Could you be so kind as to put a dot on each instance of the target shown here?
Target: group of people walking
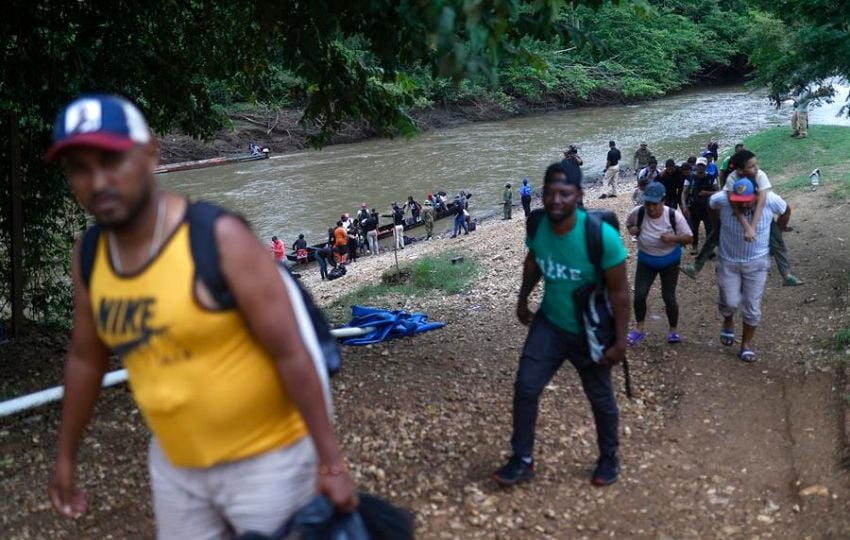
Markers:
(744, 228)
(218, 346)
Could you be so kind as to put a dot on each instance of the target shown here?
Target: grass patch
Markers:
(790, 160)
(842, 339)
(428, 275)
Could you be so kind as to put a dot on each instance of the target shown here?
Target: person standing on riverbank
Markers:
(398, 226)
(300, 249)
(558, 253)
(370, 225)
(508, 202)
(641, 158)
(242, 437)
(525, 196)
(460, 215)
(340, 242)
(428, 218)
(278, 249)
(612, 168)
(744, 262)
(661, 231)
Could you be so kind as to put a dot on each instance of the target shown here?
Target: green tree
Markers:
(176, 57)
(800, 44)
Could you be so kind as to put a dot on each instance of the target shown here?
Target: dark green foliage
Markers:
(188, 62)
(799, 44)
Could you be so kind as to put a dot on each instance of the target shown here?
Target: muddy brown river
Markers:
(305, 192)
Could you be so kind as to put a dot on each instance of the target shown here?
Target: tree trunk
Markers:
(16, 222)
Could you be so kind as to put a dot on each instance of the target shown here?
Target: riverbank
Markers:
(711, 447)
(281, 132)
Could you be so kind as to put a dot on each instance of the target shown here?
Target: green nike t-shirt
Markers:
(564, 262)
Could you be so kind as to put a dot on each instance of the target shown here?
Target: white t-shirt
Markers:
(762, 181)
(649, 239)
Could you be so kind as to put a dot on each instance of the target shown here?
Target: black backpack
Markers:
(201, 217)
(671, 214)
(591, 301)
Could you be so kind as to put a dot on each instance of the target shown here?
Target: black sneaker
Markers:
(515, 471)
(607, 471)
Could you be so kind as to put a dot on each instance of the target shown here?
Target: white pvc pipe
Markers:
(112, 378)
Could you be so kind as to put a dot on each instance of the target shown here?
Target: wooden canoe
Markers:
(204, 163)
(384, 231)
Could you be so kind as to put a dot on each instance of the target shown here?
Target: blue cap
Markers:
(99, 121)
(743, 191)
(654, 192)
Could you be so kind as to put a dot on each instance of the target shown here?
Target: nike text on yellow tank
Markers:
(208, 391)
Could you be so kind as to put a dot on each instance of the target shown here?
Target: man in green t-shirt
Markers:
(557, 253)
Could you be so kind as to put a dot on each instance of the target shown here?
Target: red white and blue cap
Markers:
(100, 121)
(743, 191)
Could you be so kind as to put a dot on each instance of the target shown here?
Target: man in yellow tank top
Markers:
(241, 432)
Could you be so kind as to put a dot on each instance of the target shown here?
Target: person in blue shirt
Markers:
(525, 196)
(711, 166)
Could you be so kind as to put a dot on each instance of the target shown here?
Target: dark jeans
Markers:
(644, 277)
(460, 221)
(526, 205)
(323, 266)
(700, 214)
(777, 248)
(546, 348)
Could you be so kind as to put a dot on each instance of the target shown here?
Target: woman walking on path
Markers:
(661, 232)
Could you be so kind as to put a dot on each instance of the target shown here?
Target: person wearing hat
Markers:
(508, 200)
(744, 263)
(661, 232)
(641, 157)
(235, 402)
(744, 164)
(557, 253)
(525, 196)
(428, 218)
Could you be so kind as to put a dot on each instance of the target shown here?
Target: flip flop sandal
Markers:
(673, 338)
(727, 338)
(747, 355)
(634, 338)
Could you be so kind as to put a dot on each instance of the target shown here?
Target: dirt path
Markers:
(711, 448)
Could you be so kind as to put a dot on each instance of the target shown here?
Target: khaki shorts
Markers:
(255, 494)
(742, 285)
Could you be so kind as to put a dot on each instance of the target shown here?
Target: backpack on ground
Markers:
(201, 217)
(671, 215)
(336, 272)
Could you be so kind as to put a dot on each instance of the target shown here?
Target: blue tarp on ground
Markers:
(388, 324)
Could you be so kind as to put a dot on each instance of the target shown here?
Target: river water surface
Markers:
(306, 192)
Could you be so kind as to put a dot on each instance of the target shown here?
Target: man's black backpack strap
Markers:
(532, 223)
(593, 232)
(88, 252)
(201, 217)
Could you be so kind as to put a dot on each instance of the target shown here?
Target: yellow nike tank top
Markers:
(207, 389)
